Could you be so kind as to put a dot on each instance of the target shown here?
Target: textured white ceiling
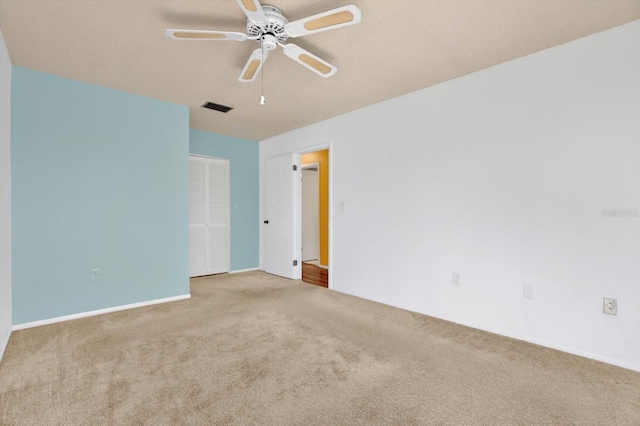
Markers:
(400, 46)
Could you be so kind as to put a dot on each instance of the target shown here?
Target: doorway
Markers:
(315, 217)
(282, 215)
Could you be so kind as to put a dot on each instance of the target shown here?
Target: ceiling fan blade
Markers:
(253, 66)
(205, 35)
(309, 60)
(335, 18)
(253, 10)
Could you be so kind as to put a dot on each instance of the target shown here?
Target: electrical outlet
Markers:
(95, 274)
(610, 306)
(527, 292)
(456, 279)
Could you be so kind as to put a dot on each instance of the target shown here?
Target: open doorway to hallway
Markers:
(315, 217)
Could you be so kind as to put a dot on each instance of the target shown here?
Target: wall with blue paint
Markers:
(244, 186)
(99, 180)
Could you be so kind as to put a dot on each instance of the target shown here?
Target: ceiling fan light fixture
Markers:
(329, 20)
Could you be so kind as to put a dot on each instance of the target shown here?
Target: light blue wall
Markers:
(243, 163)
(100, 180)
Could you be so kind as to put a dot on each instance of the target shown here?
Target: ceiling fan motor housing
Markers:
(273, 26)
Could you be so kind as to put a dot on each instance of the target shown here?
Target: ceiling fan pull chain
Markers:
(262, 99)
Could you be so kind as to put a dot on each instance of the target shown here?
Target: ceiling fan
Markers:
(267, 25)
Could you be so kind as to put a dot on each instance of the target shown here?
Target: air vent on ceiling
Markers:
(217, 107)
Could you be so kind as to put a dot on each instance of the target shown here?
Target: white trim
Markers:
(540, 342)
(239, 271)
(3, 347)
(98, 312)
(331, 260)
(297, 215)
(313, 148)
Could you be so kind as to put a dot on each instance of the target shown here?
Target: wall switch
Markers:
(527, 292)
(610, 306)
(343, 207)
(456, 279)
(95, 274)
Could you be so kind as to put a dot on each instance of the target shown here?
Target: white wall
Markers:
(5, 196)
(501, 176)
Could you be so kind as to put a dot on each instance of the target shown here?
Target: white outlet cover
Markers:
(456, 279)
(95, 274)
(610, 306)
(527, 292)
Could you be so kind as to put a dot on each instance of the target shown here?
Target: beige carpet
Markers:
(256, 349)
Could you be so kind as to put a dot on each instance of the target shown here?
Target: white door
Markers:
(310, 213)
(208, 216)
(281, 249)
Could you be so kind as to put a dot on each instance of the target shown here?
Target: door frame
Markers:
(298, 202)
(228, 160)
(303, 167)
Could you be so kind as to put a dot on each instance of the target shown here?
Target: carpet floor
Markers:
(254, 349)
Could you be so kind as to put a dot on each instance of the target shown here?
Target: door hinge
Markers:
(295, 167)
(295, 263)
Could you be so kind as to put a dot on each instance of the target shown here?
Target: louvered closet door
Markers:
(218, 217)
(208, 216)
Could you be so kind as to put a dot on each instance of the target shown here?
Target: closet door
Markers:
(208, 216)
(218, 215)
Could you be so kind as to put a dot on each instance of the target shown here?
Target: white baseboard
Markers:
(5, 342)
(541, 342)
(513, 335)
(98, 312)
(238, 271)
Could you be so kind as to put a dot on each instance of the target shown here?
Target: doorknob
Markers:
(266, 221)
